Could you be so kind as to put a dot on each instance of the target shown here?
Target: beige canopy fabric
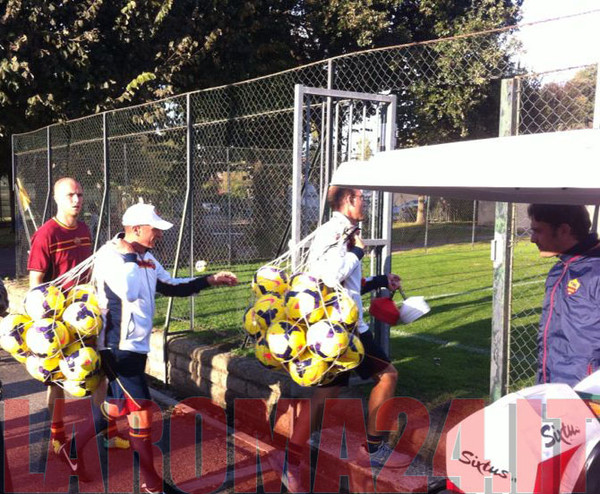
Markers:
(552, 168)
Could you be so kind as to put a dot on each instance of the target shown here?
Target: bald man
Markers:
(60, 244)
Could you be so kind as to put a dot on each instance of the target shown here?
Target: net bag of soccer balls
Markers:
(55, 336)
(302, 326)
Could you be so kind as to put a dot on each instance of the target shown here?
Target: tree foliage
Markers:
(68, 58)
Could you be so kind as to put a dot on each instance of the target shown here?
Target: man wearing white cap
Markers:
(127, 277)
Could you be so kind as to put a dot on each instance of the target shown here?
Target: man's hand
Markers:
(123, 247)
(393, 282)
(221, 278)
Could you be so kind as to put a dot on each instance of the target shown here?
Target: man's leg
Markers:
(385, 387)
(140, 437)
(55, 400)
(112, 439)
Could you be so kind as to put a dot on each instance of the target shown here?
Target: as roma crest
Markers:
(573, 286)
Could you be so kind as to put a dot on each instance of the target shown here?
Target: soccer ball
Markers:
(41, 368)
(269, 279)
(304, 281)
(285, 340)
(327, 340)
(82, 293)
(341, 309)
(305, 304)
(352, 356)
(328, 377)
(13, 329)
(264, 354)
(268, 309)
(83, 319)
(46, 337)
(84, 387)
(250, 323)
(307, 370)
(44, 301)
(21, 355)
(79, 364)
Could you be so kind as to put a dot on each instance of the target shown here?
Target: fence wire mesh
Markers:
(545, 105)
(230, 153)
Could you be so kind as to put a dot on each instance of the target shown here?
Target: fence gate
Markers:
(331, 127)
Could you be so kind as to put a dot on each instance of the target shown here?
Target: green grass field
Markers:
(441, 356)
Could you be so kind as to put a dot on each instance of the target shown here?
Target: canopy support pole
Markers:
(502, 256)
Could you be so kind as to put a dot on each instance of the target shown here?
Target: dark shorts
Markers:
(374, 361)
(127, 386)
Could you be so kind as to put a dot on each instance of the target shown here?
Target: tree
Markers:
(64, 60)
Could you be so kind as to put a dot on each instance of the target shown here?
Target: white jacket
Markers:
(330, 260)
(127, 285)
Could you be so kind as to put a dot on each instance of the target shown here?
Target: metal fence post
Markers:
(426, 240)
(502, 256)
(596, 125)
(105, 194)
(49, 172)
(184, 216)
(297, 170)
(474, 227)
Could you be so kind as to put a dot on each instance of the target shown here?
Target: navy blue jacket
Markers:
(569, 333)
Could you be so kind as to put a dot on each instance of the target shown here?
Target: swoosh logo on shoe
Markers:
(72, 465)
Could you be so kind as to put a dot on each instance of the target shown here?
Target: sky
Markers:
(564, 43)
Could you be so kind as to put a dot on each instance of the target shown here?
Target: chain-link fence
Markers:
(544, 106)
(218, 161)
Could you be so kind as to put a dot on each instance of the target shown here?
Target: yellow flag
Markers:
(23, 195)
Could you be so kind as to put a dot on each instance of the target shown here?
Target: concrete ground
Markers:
(203, 449)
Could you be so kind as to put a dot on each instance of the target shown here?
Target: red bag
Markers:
(384, 309)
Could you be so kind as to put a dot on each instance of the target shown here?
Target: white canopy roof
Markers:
(557, 167)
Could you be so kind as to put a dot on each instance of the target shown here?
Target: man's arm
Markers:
(36, 278)
(390, 281)
(184, 287)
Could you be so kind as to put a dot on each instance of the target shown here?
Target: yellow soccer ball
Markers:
(305, 304)
(79, 364)
(44, 301)
(268, 309)
(327, 340)
(46, 337)
(352, 356)
(82, 319)
(250, 323)
(285, 340)
(41, 368)
(307, 370)
(13, 329)
(21, 355)
(341, 309)
(269, 279)
(82, 293)
(84, 387)
(264, 354)
(304, 281)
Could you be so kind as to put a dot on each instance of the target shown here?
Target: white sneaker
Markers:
(144, 489)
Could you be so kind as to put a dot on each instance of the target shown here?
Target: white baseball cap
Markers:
(144, 214)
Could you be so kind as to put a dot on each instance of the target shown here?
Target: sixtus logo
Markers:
(483, 467)
(564, 434)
